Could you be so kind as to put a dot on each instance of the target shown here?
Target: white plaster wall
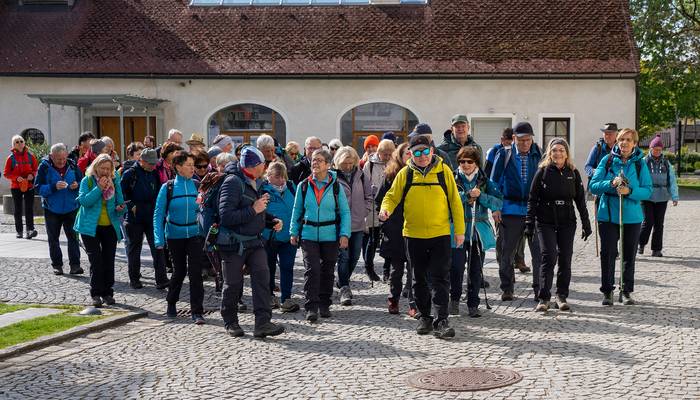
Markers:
(314, 107)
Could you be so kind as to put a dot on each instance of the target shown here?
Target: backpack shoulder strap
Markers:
(443, 185)
(169, 189)
(304, 188)
(407, 186)
(336, 192)
(290, 186)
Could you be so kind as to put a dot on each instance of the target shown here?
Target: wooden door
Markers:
(134, 129)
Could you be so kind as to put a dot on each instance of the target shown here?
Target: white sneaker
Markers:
(345, 296)
(275, 302)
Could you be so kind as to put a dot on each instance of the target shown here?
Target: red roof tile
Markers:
(444, 37)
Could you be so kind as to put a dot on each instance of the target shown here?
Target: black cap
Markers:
(522, 129)
(610, 126)
(418, 140)
(421, 129)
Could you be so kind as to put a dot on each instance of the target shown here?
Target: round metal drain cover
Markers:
(464, 379)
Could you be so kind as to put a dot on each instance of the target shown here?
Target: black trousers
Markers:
(319, 264)
(398, 265)
(430, 259)
(609, 237)
(23, 199)
(187, 261)
(370, 242)
(135, 232)
(101, 250)
(512, 229)
(557, 244)
(232, 265)
(654, 215)
(459, 262)
(54, 223)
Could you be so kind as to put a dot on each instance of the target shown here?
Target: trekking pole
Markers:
(478, 249)
(622, 236)
(595, 222)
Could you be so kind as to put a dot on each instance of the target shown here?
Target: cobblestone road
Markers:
(644, 351)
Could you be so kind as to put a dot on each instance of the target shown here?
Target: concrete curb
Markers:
(72, 333)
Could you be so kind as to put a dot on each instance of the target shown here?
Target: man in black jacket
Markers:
(242, 219)
(302, 169)
(140, 186)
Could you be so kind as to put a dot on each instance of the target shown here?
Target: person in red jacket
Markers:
(97, 147)
(20, 170)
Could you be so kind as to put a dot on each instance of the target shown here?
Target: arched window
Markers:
(245, 122)
(375, 119)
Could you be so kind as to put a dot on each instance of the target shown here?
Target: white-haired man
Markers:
(268, 146)
(174, 136)
(302, 169)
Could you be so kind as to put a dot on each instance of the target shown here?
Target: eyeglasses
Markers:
(202, 166)
(466, 161)
(424, 152)
(318, 160)
(19, 141)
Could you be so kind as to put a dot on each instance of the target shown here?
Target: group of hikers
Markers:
(230, 211)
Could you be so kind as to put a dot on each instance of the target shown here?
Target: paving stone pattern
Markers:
(624, 352)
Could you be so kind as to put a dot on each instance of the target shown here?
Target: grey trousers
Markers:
(512, 230)
(232, 268)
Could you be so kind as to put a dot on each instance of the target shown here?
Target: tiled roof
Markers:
(445, 37)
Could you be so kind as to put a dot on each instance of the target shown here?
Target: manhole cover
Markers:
(464, 379)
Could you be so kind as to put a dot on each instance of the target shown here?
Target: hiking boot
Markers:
(19, 235)
(522, 267)
(563, 305)
(608, 299)
(136, 285)
(324, 312)
(96, 301)
(640, 250)
(172, 311)
(269, 329)
(58, 270)
(234, 330)
(289, 306)
(163, 285)
(274, 302)
(542, 306)
(443, 330)
(474, 312)
(109, 300)
(393, 305)
(345, 296)
(311, 316)
(76, 270)
(32, 234)
(507, 296)
(198, 319)
(454, 307)
(627, 299)
(425, 326)
(656, 253)
(413, 312)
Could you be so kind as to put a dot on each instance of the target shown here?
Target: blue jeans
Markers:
(347, 259)
(285, 253)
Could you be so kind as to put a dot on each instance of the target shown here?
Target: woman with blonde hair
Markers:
(101, 205)
(556, 186)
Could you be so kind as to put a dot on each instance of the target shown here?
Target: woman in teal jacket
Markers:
(175, 220)
(624, 173)
(101, 205)
(322, 216)
(472, 184)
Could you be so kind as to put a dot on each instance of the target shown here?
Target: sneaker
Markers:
(656, 253)
(96, 301)
(274, 302)
(234, 330)
(32, 234)
(563, 305)
(474, 312)
(311, 316)
(507, 296)
(198, 319)
(58, 270)
(454, 307)
(413, 312)
(136, 285)
(289, 306)
(109, 300)
(172, 311)
(324, 312)
(163, 285)
(442, 329)
(522, 267)
(269, 329)
(542, 306)
(76, 270)
(608, 299)
(640, 250)
(627, 299)
(393, 305)
(425, 326)
(345, 296)
(19, 235)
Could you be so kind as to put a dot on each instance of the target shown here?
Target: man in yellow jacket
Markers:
(427, 188)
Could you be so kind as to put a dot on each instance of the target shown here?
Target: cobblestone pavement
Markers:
(624, 352)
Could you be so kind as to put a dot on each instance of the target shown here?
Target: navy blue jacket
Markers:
(140, 189)
(508, 181)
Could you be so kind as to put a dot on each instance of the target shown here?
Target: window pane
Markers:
(266, 2)
(379, 117)
(296, 2)
(205, 2)
(247, 117)
(562, 128)
(236, 2)
(549, 128)
(325, 2)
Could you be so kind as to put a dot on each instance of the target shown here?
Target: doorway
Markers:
(134, 129)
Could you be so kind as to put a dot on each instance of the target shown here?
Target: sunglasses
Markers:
(19, 141)
(424, 152)
(202, 166)
(466, 161)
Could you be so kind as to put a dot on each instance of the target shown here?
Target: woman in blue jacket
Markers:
(281, 205)
(620, 173)
(321, 224)
(101, 205)
(475, 190)
(175, 221)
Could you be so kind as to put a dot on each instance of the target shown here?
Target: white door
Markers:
(487, 131)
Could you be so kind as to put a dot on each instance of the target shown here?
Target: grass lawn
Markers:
(689, 183)
(34, 328)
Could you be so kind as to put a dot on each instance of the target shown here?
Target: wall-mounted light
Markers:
(132, 108)
(119, 107)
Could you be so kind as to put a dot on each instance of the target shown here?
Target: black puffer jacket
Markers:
(552, 196)
(300, 170)
(393, 245)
